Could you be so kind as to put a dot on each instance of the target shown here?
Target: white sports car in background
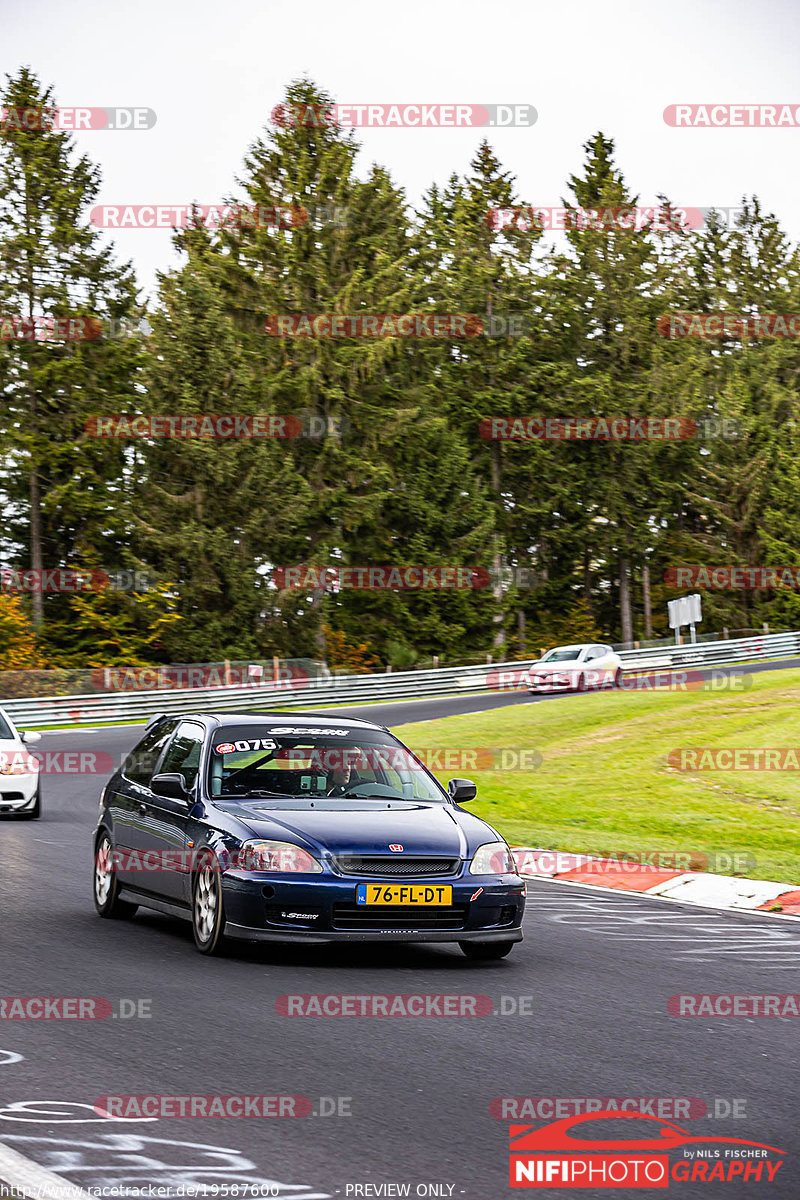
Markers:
(576, 668)
(20, 786)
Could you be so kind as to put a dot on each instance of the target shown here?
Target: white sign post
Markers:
(685, 610)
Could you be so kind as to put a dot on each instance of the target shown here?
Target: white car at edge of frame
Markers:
(20, 783)
(576, 669)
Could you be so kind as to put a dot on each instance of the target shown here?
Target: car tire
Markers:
(36, 811)
(208, 918)
(106, 884)
(486, 951)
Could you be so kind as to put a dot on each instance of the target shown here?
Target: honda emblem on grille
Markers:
(397, 848)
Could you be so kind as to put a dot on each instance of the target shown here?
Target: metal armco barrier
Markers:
(359, 689)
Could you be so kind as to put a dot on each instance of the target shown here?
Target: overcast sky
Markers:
(212, 71)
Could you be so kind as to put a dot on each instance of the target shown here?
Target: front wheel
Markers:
(106, 884)
(483, 951)
(207, 917)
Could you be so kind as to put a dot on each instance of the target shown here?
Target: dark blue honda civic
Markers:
(300, 827)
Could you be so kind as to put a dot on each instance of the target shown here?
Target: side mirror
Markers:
(461, 790)
(31, 736)
(172, 785)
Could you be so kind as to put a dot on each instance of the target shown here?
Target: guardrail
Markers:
(346, 689)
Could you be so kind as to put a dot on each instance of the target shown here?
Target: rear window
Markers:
(282, 763)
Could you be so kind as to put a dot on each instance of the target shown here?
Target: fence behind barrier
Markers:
(324, 688)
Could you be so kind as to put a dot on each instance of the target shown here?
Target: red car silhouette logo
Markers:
(557, 1137)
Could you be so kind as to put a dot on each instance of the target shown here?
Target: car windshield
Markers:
(341, 763)
(562, 654)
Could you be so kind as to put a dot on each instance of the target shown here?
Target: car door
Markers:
(129, 802)
(605, 663)
(165, 831)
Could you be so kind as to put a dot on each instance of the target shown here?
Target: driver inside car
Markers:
(341, 780)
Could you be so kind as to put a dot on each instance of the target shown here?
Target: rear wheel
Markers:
(483, 951)
(208, 920)
(106, 884)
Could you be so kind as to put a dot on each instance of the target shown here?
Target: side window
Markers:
(589, 653)
(141, 762)
(184, 752)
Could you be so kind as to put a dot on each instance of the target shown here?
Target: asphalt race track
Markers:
(580, 1010)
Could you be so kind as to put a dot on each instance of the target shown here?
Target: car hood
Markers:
(361, 827)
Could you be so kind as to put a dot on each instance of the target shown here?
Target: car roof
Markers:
(293, 719)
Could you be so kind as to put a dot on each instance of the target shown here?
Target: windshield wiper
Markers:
(259, 792)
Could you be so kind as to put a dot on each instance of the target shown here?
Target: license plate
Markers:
(424, 894)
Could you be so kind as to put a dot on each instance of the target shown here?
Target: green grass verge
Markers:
(604, 785)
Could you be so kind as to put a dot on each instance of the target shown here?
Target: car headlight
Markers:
(283, 857)
(493, 858)
(18, 764)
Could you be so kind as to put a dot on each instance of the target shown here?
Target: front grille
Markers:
(406, 868)
(359, 916)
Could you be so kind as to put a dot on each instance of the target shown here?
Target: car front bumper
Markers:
(18, 792)
(323, 909)
(554, 683)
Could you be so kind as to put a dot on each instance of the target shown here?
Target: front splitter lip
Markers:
(250, 934)
(14, 806)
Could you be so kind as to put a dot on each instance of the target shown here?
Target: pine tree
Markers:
(63, 487)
